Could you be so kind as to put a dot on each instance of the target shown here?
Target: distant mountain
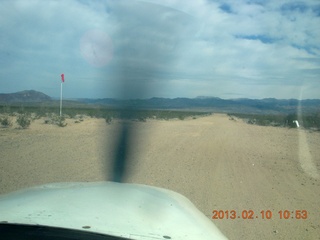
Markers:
(202, 103)
(243, 105)
(24, 96)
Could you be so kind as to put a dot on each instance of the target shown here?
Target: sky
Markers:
(161, 48)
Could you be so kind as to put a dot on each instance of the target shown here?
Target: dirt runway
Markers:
(223, 165)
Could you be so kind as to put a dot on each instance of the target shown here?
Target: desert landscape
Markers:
(219, 163)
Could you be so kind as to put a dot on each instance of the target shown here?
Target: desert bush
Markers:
(79, 117)
(251, 121)
(307, 121)
(34, 116)
(181, 117)
(24, 121)
(56, 120)
(142, 119)
(50, 118)
(61, 122)
(6, 121)
(108, 120)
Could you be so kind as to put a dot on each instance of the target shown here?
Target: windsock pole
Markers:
(62, 81)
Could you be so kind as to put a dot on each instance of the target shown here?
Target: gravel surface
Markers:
(218, 163)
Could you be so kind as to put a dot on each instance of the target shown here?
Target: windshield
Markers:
(217, 100)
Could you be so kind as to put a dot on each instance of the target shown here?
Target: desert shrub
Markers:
(307, 121)
(24, 121)
(61, 122)
(56, 120)
(6, 121)
(50, 118)
(251, 121)
(34, 116)
(181, 117)
(79, 118)
(311, 121)
(108, 120)
(142, 119)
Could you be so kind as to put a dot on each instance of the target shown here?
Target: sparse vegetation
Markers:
(26, 114)
(108, 120)
(56, 120)
(307, 121)
(61, 121)
(142, 119)
(99, 112)
(6, 121)
(24, 120)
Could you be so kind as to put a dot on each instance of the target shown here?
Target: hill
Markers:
(24, 96)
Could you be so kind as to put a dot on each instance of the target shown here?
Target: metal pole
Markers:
(61, 100)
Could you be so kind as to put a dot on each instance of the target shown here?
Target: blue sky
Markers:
(168, 48)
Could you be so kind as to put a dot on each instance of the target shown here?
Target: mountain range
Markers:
(213, 104)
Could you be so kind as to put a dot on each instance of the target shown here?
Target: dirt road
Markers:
(219, 164)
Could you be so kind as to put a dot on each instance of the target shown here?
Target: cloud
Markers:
(170, 48)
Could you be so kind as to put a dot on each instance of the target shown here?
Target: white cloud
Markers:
(203, 47)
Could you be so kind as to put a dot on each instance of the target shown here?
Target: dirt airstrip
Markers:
(218, 163)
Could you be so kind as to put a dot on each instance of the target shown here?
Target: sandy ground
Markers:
(218, 163)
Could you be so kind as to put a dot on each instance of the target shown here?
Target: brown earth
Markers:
(218, 163)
